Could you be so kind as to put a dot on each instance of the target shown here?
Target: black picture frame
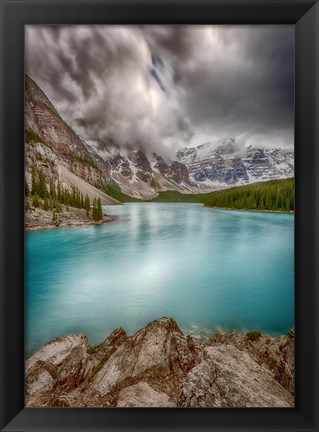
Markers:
(304, 14)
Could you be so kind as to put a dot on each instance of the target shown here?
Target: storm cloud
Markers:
(166, 87)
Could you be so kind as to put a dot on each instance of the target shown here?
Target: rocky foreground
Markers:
(159, 366)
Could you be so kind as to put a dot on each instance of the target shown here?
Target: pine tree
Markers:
(278, 200)
(272, 195)
(73, 197)
(35, 200)
(99, 209)
(45, 204)
(59, 193)
(57, 207)
(52, 190)
(94, 210)
(34, 188)
(41, 186)
(267, 201)
(87, 204)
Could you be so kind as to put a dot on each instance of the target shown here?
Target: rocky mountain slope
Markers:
(142, 177)
(159, 366)
(52, 144)
(224, 163)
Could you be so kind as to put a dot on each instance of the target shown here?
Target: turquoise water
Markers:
(207, 268)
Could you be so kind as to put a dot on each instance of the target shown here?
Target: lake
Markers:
(207, 268)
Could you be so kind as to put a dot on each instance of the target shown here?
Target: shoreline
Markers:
(48, 227)
(218, 208)
(77, 219)
(37, 219)
(250, 210)
(198, 336)
(72, 223)
(213, 207)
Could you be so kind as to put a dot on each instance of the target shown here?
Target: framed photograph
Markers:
(159, 238)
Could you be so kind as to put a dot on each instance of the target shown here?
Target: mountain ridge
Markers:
(224, 162)
(67, 158)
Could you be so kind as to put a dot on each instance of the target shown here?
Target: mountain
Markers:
(142, 177)
(114, 175)
(54, 146)
(224, 163)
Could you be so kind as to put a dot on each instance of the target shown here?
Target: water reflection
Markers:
(207, 268)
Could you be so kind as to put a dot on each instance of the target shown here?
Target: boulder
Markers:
(160, 366)
(229, 377)
(157, 350)
(57, 366)
(142, 395)
(96, 360)
(284, 369)
(275, 353)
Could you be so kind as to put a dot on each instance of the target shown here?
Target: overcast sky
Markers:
(168, 87)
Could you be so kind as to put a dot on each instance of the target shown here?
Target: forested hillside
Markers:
(270, 195)
(276, 195)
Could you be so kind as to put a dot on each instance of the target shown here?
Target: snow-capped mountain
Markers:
(224, 163)
(142, 177)
(65, 157)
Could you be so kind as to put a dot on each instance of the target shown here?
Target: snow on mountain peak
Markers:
(227, 162)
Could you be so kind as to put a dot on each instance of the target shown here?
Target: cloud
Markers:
(166, 87)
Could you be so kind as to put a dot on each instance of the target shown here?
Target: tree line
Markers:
(270, 195)
(275, 195)
(51, 196)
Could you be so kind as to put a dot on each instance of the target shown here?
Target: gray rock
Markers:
(43, 382)
(43, 118)
(63, 364)
(275, 353)
(142, 395)
(95, 361)
(57, 351)
(57, 366)
(229, 377)
(160, 366)
(157, 350)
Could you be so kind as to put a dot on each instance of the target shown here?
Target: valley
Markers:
(159, 252)
(206, 174)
